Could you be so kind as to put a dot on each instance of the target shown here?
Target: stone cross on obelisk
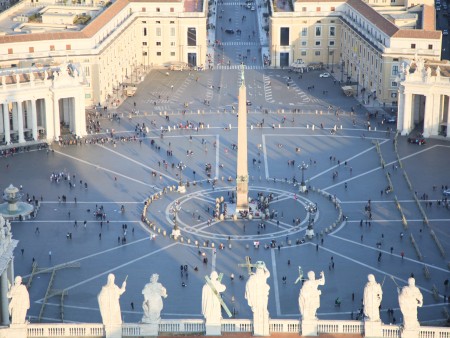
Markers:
(242, 160)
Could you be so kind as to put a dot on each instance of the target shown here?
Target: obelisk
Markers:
(242, 160)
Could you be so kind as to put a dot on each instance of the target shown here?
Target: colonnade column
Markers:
(448, 116)
(79, 116)
(56, 119)
(34, 120)
(4, 298)
(20, 122)
(401, 108)
(6, 123)
(428, 117)
(407, 114)
(49, 120)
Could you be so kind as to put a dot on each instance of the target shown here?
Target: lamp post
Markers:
(174, 210)
(311, 209)
(181, 187)
(303, 167)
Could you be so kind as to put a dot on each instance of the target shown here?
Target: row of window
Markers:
(158, 54)
(31, 49)
(318, 31)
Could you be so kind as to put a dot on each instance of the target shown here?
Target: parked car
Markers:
(249, 103)
(446, 192)
(417, 139)
(445, 32)
(325, 75)
(229, 31)
(392, 119)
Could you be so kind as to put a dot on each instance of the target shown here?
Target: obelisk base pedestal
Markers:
(213, 330)
(309, 327)
(372, 329)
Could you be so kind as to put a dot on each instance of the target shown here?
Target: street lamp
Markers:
(311, 209)
(181, 187)
(303, 167)
(175, 208)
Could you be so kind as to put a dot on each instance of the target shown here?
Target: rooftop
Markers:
(381, 22)
(15, 28)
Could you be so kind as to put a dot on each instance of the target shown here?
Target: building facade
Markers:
(354, 40)
(119, 44)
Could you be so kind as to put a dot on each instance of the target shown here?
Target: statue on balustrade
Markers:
(211, 307)
(153, 304)
(309, 297)
(409, 299)
(108, 301)
(257, 295)
(373, 294)
(20, 301)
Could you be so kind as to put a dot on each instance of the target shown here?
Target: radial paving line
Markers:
(388, 252)
(275, 282)
(346, 160)
(138, 163)
(217, 156)
(266, 167)
(104, 169)
(118, 267)
(371, 267)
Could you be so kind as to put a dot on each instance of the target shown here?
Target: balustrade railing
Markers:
(197, 326)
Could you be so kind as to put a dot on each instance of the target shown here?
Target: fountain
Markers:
(13, 208)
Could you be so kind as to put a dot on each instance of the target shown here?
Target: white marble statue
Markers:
(309, 297)
(373, 294)
(211, 307)
(257, 295)
(20, 301)
(153, 303)
(409, 299)
(108, 301)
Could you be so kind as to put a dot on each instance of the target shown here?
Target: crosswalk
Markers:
(232, 4)
(223, 67)
(240, 43)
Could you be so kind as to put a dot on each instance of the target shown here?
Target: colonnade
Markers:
(423, 98)
(430, 106)
(38, 108)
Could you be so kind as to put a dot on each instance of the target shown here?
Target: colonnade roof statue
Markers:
(373, 294)
(108, 301)
(211, 305)
(257, 295)
(409, 299)
(20, 301)
(309, 297)
(153, 293)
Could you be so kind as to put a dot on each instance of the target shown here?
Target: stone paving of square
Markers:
(121, 174)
